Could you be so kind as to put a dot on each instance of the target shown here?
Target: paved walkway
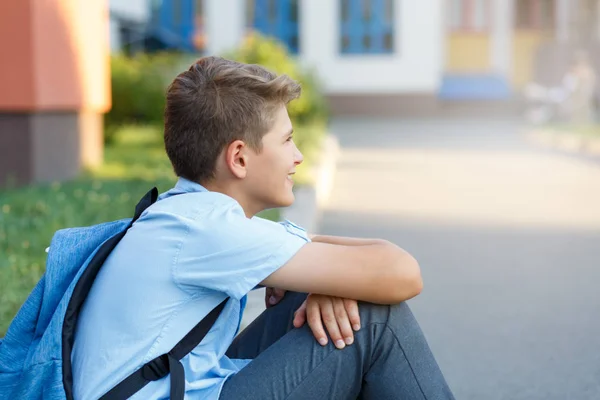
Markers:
(508, 238)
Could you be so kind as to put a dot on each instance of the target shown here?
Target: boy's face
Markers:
(270, 174)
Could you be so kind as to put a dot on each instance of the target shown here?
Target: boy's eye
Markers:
(289, 139)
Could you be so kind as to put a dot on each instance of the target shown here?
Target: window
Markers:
(177, 12)
(455, 13)
(155, 8)
(547, 14)
(175, 20)
(534, 14)
(525, 14)
(469, 15)
(199, 7)
(367, 26)
(479, 19)
(277, 18)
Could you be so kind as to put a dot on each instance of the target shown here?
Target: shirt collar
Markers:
(183, 186)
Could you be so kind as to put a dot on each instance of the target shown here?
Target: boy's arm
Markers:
(274, 295)
(371, 270)
(344, 241)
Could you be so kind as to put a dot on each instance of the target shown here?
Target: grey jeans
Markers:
(389, 359)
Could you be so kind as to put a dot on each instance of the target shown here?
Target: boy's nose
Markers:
(298, 157)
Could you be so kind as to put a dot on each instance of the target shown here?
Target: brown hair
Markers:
(216, 102)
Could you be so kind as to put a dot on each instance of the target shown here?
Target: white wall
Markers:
(115, 38)
(416, 66)
(502, 37)
(136, 10)
(225, 24)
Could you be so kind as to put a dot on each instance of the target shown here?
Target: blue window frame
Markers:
(176, 23)
(277, 18)
(367, 26)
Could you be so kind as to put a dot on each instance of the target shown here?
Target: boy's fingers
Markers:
(313, 316)
(268, 293)
(331, 324)
(278, 295)
(273, 296)
(300, 315)
(343, 321)
(353, 314)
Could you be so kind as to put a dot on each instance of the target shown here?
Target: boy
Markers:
(230, 140)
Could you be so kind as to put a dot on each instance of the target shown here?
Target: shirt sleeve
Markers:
(228, 252)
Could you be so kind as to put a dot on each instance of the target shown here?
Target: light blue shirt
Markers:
(183, 256)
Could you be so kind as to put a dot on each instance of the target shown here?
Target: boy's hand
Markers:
(273, 296)
(339, 315)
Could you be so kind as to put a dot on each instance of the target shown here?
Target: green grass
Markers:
(29, 216)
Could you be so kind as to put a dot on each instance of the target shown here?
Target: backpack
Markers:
(35, 355)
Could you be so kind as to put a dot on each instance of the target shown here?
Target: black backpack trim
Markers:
(151, 371)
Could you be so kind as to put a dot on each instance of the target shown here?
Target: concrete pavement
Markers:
(508, 238)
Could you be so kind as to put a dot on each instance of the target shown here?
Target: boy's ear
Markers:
(236, 158)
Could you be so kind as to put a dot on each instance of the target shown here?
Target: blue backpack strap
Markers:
(167, 363)
(83, 287)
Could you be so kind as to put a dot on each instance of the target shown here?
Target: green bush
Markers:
(138, 89)
(272, 54)
(139, 84)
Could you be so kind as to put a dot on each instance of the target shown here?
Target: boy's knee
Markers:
(402, 312)
(388, 314)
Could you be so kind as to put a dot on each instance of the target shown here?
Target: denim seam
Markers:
(364, 329)
(406, 358)
(309, 372)
(361, 331)
(387, 326)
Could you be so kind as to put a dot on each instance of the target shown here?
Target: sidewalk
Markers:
(507, 238)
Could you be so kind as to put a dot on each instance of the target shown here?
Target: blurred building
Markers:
(129, 22)
(156, 25)
(54, 88)
(359, 48)
(375, 55)
(495, 47)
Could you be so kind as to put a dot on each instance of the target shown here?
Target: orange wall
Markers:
(16, 70)
(65, 59)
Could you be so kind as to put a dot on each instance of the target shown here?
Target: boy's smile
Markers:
(271, 171)
(261, 179)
